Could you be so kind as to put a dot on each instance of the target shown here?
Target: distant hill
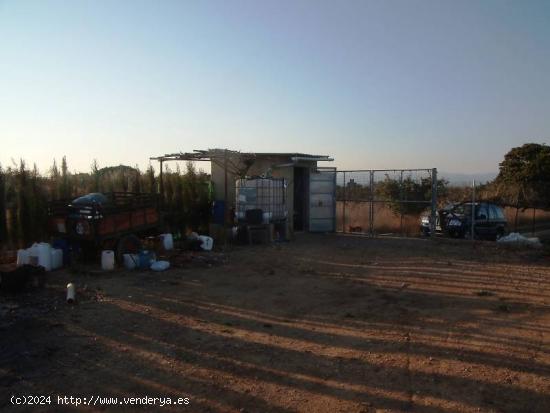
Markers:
(466, 179)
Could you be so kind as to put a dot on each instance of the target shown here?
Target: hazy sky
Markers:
(447, 84)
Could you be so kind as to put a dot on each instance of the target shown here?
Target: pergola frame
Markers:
(219, 157)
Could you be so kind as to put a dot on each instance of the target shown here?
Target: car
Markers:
(455, 220)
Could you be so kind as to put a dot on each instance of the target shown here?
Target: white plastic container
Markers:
(71, 293)
(57, 258)
(207, 242)
(107, 260)
(22, 257)
(167, 241)
(40, 254)
(131, 261)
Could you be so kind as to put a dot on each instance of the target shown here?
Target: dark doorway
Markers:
(301, 190)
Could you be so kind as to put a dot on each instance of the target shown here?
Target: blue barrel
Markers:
(145, 259)
(62, 244)
(218, 212)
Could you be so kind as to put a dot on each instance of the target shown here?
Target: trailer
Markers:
(113, 220)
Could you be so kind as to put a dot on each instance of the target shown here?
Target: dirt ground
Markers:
(326, 323)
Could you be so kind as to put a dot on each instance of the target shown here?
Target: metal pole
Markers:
(401, 203)
(344, 206)
(371, 208)
(161, 185)
(225, 205)
(434, 202)
(472, 229)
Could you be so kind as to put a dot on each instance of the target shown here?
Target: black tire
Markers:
(128, 244)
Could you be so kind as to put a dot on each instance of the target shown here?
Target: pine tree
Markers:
(54, 177)
(65, 189)
(37, 206)
(23, 210)
(96, 176)
(150, 179)
(136, 187)
(3, 224)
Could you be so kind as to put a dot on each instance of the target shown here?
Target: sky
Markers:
(373, 83)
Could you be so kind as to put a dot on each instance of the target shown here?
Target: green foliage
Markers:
(524, 177)
(187, 199)
(150, 180)
(96, 177)
(3, 223)
(136, 181)
(398, 192)
(394, 192)
(24, 195)
(65, 187)
(24, 217)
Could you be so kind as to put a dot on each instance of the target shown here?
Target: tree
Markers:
(524, 177)
(54, 176)
(37, 205)
(65, 188)
(150, 179)
(136, 185)
(395, 192)
(3, 225)
(96, 176)
(23, 210)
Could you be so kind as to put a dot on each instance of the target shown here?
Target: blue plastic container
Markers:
(63, 245)
(146, 258)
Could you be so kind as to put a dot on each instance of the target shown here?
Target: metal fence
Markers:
(385, 201)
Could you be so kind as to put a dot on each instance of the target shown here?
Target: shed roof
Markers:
(212, 154)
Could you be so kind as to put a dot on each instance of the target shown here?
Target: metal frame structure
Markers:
(224, 158)
(372, 200)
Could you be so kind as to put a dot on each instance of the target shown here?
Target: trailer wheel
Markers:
(128, 244)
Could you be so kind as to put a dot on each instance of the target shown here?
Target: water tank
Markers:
(267, 194)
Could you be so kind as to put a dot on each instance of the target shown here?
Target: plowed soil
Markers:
(325, 323)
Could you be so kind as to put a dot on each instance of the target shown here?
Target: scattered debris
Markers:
(207, 258)
(517, 238)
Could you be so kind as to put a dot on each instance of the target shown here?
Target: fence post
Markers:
(434, 202)
(161, 186)
(473, 209)
(401, 203)
(344, 206)
(371, 207)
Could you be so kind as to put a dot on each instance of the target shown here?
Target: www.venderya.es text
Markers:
(95, 400)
